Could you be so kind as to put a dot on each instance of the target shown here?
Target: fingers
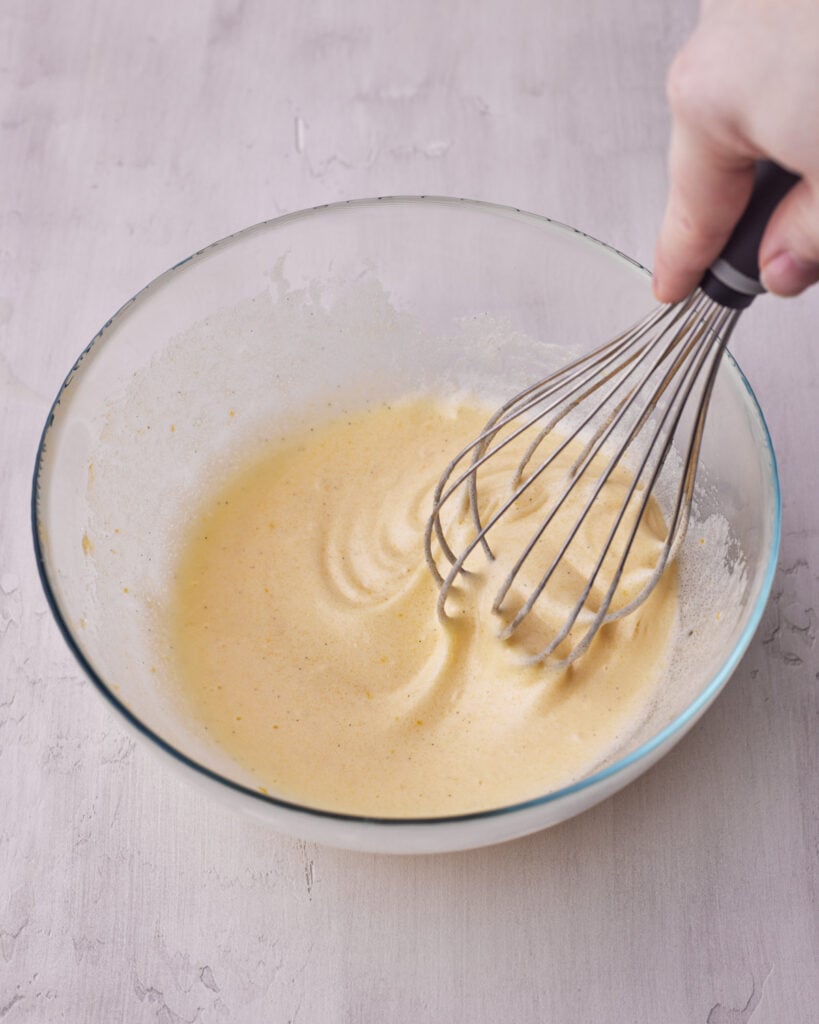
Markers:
(789, 251)
(709, 190)
(711, 166)
(733, 101)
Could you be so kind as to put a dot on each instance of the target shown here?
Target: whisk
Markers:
(623, 404)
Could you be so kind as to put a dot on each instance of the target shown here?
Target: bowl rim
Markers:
(676, 728)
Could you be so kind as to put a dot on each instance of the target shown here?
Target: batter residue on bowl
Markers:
(305, 639)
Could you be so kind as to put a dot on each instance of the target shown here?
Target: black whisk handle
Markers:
(733, 278)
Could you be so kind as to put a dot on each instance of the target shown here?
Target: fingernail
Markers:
(657, 288)
(662, 284)
(786, 274)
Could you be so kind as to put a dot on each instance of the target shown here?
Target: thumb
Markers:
(789, 251)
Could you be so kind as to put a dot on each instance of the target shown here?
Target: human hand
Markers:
(744, 87)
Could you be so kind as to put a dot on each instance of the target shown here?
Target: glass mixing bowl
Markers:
(323, 310)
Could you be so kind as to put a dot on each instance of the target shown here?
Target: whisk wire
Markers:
(530, 398)
(527, 399)
(585, 459)
(591, 368)
(621, 370)
(642, 351)
(590, 454)
(710, 344)
(682, 510)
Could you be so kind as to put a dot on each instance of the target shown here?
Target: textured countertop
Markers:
(132, 134)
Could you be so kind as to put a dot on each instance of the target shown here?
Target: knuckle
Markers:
(683, 83)
(692, 84)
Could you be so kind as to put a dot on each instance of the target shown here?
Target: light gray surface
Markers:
(132, 134)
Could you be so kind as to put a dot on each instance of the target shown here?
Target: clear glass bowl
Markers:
(331, 308)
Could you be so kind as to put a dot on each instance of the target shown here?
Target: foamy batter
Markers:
(304, 632)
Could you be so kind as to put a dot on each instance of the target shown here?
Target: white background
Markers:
(132, 134)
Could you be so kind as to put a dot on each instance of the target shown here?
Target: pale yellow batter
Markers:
(304, 632)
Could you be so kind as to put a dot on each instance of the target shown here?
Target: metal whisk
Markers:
(623, 404)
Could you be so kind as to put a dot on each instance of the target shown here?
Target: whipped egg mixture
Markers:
(305, 639)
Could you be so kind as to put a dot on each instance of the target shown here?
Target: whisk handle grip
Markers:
(733, 278)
